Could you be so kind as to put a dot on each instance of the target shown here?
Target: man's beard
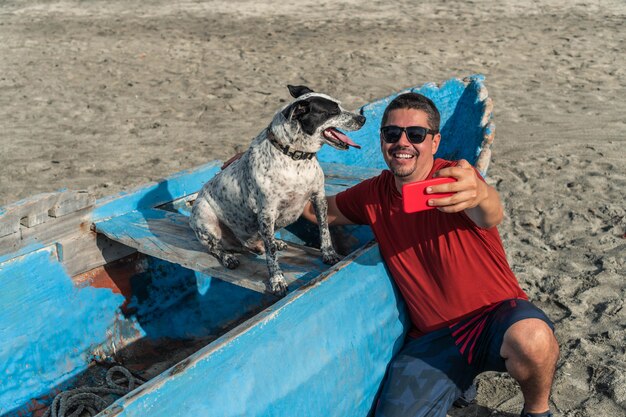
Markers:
(403, 172)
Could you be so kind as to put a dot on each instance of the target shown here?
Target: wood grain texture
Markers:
(166, 235)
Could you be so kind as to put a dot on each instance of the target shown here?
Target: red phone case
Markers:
(414, 197)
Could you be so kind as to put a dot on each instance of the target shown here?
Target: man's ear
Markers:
(436, 142)
(298, 90)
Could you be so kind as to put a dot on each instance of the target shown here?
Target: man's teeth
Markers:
(403, 155)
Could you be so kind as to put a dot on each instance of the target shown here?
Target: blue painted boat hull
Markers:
(71, 297)
(321, 351)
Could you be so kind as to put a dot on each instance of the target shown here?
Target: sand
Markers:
(106, 96)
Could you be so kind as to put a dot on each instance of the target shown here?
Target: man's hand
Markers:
(480, 201)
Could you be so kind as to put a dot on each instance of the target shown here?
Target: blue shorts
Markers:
(431, 372)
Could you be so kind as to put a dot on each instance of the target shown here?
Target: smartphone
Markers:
(414, 197)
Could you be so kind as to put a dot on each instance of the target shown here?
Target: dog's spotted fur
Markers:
(265, 190)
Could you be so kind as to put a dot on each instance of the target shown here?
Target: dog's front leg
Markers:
(320, 205)
(278, 285)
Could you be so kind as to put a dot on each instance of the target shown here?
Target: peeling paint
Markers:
(47, 326)
(180, 367)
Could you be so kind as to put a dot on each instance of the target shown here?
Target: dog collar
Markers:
(293, 154)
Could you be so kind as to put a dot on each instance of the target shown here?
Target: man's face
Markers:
(408, 161)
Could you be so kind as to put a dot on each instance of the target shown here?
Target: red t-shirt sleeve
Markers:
(353, 202)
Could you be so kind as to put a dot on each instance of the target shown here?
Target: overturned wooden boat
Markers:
(85, 284)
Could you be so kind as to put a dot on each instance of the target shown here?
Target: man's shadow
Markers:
(476, 410)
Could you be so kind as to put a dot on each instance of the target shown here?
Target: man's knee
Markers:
(531, 341)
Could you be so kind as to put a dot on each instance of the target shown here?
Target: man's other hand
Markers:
(469, 190)
(480, 201)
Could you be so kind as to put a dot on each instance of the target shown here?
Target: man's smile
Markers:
(403, 153)
(400, 155)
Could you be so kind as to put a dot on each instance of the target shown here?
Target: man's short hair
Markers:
(414, 101)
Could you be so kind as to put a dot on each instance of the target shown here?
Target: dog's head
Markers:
(314, 119)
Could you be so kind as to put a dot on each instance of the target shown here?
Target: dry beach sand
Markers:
(106, 96)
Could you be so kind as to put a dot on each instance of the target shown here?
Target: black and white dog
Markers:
(268, 187)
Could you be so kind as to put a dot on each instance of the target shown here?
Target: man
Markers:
(468, 312)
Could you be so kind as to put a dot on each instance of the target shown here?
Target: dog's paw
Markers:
(229, 261)
(281, 245)
(330, 257)
(278, 285)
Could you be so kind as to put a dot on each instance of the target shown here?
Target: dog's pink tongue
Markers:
(340, 136)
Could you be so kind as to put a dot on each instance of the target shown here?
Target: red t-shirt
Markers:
(445, 266)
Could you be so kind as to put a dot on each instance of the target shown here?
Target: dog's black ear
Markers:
(300, 108)
(298, 90)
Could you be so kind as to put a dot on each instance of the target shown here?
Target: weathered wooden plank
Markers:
(33, 219)
(83, 252)
(9, 243)
(70, 202)
(79, 248)
(57, 229)
(9, 223)
(28, 212)
(166, 235)
(48, 233)
(38, 209)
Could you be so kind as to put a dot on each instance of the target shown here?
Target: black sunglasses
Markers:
(415, 134)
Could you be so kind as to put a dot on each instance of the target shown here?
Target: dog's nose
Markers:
(361, 119)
